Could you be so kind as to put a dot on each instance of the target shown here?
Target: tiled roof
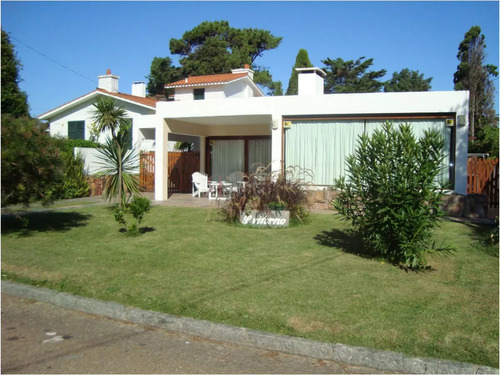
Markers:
(138, 99)
(206, 80)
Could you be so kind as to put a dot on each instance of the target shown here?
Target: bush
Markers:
(137, 208)
(265, 191)
(74, 184)
(391, 195)
(31, 161)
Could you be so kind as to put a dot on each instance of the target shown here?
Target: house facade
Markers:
(311, 130)
(236, 128)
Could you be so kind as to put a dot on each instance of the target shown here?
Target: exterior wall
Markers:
(236, 89)
(261, 113)
(141, 117)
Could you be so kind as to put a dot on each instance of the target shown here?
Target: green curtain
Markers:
(321, 147)
(227, 157)
(259, 154)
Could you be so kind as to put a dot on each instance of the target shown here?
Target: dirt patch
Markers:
(309, 325)
(32, 272)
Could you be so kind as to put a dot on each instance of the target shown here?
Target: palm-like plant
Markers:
(118, 159)
(109, 115)
(119, 163)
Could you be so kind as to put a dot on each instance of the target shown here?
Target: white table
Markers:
(224, 187)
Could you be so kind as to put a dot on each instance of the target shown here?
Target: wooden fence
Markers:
(482, 178)
(181, 165)
(147, 174)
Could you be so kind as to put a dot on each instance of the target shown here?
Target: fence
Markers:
(181, 165)
(482, 178)
(147, 173)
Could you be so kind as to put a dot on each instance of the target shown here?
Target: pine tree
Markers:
(473, 75)
(14, 101)
(301, 61)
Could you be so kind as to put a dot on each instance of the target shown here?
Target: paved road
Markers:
(42, 338)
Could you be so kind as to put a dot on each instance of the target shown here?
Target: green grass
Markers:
(304, 281)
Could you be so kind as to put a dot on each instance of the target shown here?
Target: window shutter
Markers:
(76, 129)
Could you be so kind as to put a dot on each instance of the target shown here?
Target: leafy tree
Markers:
(184, 146)
(118, 159)
(391, 195)
(216, 48)
(408, 80)
(162, 72)
(486, 141)
(473, 75)
(301, 61)
(351, 76)
(14, 101)
(31, 161)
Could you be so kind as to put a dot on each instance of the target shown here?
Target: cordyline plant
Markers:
(264, 191)
(391, 195)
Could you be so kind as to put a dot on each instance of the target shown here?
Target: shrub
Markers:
(391, 196)
(137, 208)
(265, 191)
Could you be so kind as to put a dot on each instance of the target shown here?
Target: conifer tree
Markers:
(301, 61)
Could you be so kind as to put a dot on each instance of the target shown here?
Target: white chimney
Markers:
(311, 81)
(108, 82)
(246, 70)
(139, 89)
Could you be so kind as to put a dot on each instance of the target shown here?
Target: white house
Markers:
(311, 130)
(236, 127)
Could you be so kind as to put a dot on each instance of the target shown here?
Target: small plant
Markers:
(391, 196)
(137, 208)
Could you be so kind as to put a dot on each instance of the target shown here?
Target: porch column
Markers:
(202, 154)
(161, 162)
(276, 143)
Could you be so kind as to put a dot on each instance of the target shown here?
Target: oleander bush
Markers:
(392, 195)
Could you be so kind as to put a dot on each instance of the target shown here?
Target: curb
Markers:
(357, 356)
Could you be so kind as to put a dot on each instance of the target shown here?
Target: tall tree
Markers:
(301, 61)
(162, 72)
(215, 48)
(474, 75)
(14, 101)
(352, 76)
(408, 80)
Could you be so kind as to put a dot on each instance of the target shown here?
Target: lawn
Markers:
(303, 281)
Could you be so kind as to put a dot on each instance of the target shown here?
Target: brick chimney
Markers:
(108, 82)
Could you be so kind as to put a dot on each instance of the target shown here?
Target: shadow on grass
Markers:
(481, 236)
(48, 221)
(346, 240)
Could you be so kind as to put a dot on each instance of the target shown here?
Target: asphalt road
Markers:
(38, 337)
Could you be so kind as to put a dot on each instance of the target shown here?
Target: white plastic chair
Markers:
(200, 184)
(236, 178)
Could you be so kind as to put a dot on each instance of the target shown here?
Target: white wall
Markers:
(141, 117)
(93, 164)
(204, 112)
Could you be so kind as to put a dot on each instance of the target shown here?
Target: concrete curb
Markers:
(357, 356)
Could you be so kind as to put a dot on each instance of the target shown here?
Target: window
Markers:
(199, 94)
(76, 129)
(321, 146)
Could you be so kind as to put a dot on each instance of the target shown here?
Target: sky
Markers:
(64, 45)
